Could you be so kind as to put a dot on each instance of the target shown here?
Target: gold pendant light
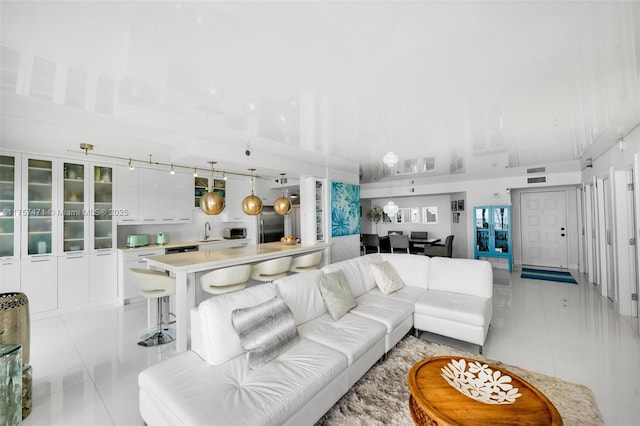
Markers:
(282, 205)
(251, 204)
(212, 203)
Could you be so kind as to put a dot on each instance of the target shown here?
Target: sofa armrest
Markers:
(196, 336)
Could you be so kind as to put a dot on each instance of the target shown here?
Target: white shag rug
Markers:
(381, 396)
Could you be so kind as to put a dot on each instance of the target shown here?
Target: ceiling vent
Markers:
(541, 179)
(536, 170)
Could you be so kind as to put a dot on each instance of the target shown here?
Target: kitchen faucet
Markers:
(206, 225)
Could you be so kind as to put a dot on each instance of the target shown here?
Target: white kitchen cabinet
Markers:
(39, 206)
(73, 279)
(149, 196)
(9, 275)
(39, 281)
(236, 190)
(103, 286)
(313, 221)
(127, 186)
(183, 197)
(154, 196)
(128, 260)
(10, 213)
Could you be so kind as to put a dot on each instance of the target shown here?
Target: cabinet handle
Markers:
(39, 260)
(75, 257)
(104, 253)
(148, 220)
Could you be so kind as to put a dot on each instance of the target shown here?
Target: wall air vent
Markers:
(536, 170)
(541, 179)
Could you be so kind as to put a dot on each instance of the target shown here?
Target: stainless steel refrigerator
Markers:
(271, 225)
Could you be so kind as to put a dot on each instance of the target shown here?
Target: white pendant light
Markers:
(390, 159)
(390, 208)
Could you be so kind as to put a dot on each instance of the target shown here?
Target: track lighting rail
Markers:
(172, 166)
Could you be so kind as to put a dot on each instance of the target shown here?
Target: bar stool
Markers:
(270, 270)
(306, 262)
(157, 285)
(225, 280)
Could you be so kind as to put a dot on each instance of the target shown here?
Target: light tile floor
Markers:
(85, 364)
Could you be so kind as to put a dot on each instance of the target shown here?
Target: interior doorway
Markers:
(543, 218)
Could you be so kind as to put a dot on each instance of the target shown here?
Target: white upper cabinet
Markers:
(127, 187)
(153, 196)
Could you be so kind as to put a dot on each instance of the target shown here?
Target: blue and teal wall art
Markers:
(345, 209)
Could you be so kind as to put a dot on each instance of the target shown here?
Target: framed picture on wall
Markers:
(460, 205)
(454, 206)
(456, 217)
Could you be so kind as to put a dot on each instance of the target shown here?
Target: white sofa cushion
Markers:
(407, 293)
(384, 309)
(357, 271)
(219, 341)
(464, 276)
(455, 307)
(414, 270)
(233, 394)
(301, 293)
(352, 335)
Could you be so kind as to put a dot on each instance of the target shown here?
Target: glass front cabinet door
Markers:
(102, 237)
(74, 199)
(493, 233)
(9, 223)
(39, 207)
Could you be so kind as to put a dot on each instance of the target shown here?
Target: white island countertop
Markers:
(185, 265)
(196, 261)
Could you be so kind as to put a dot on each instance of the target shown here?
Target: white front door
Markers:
(544, 228)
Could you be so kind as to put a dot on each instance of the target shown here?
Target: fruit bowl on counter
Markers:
(289, 241)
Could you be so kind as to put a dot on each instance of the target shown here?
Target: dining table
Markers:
(185, 265)
(385, 245)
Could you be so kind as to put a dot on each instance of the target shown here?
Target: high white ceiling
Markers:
(502, 84)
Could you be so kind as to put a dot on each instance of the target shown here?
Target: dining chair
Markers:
(399, 242)
(440, 250)
(371, 243)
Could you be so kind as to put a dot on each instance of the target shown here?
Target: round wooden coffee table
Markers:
(433, 401)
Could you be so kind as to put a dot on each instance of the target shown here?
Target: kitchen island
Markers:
(185, 265)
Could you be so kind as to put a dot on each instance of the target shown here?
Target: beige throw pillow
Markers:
(386, 277)
(336, 294)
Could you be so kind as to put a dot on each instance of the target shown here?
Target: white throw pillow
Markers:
(386, 277)
(336, 294)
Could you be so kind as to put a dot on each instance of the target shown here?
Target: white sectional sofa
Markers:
(212, 384)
